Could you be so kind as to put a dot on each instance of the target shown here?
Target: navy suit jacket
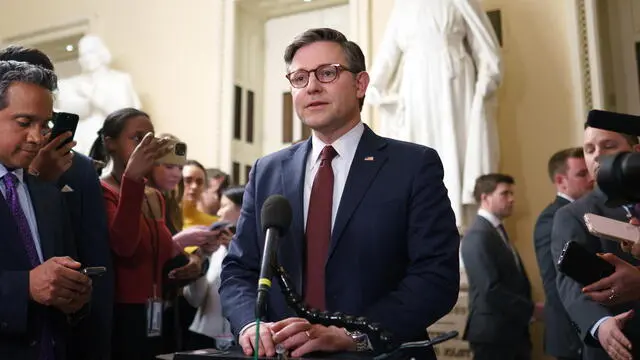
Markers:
(19, 316)
(393, 256)
(92, 336)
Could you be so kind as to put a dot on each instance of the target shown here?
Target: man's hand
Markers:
(52, 162)
(248, 340)
(612, 339)
(192, 270)
(302, 337)
(621, 287)
(56, 282)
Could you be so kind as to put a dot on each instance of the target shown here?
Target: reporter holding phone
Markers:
(76, 178)
(139, 238)
(210, 327)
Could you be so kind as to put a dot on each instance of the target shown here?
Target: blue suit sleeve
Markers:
(430, 288)
(240, 268)
(14, 297)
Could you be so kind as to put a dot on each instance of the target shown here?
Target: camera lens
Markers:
(181, 149)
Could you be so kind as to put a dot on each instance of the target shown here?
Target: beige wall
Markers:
(539, 102)
(173, 65)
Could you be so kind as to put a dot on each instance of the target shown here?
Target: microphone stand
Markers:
(381, 340)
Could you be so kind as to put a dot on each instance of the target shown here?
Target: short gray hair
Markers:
(14, 71)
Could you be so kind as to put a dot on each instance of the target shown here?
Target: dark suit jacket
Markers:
(500, 305)
(92, 336)
(19, 330)
(561, 338)
(394, 249)
(568, 224)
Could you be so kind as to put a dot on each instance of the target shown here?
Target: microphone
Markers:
(276, 217)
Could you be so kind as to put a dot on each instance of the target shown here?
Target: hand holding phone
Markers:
(64, 123)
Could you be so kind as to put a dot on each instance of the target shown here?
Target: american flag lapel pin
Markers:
(369, 158)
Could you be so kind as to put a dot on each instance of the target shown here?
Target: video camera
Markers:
(618, 175)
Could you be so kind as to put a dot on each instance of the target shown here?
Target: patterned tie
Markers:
(506, 240)
(11, 183)
(319, 230)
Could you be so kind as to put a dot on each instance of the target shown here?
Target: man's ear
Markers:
(636, 148)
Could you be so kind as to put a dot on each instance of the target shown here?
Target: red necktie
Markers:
(319, 230)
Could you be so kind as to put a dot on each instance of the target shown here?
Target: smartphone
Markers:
(219, 225)
(94, 271)
(610, 229)
(176, 156)
(583, 266)
(63, 122)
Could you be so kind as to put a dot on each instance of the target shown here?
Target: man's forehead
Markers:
(594, 134)
(318, 53)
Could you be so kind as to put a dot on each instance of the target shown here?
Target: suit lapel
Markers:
(361, 176)
(39, 194)
(293, 172)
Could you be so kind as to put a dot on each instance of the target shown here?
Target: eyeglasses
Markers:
(324, 73)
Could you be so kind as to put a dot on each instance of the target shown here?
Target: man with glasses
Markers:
(373, 233)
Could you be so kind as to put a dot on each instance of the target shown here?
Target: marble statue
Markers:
(95, 93)
(433, 80)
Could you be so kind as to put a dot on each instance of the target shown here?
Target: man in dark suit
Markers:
(595, 323)
(39, 281)
(77, 178)
(568, 172)
(373, 233)
(500, 305)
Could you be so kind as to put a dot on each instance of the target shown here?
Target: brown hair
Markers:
(486, 184)
(353, 53)
(558, 161)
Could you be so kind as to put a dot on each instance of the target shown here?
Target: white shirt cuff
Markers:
(244, 328)
(594, 328)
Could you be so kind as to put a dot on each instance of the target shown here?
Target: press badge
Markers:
(154, 317)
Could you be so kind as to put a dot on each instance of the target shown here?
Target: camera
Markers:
(619, 174)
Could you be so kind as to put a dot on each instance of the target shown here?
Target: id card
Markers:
(154, 317)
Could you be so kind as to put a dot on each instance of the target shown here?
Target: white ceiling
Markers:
(277, 8)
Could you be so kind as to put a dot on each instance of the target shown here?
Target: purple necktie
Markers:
(11, 183)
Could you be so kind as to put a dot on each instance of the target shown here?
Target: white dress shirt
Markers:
(565, 196)
(25, 203)
(346, 147)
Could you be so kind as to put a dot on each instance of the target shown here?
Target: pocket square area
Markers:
(67, 188)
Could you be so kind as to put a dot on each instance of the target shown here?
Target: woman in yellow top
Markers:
(194, 177)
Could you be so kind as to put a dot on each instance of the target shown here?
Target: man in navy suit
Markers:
(373, 233)
(40, 288)
(77, 178)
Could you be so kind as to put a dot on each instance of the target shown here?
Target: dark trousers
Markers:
(521, 350)
(129, 340)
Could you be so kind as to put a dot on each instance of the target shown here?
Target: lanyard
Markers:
(154, 240)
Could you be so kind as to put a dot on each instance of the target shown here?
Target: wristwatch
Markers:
(360, 339)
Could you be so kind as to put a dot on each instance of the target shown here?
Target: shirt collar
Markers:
(490, 217)
(565, 196)
(345, 145)
(19, 173)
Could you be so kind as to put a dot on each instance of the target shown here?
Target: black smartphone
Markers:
(94, 271)
(218, 225)
(583, 266)
(63, 122)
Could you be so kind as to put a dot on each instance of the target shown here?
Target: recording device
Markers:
(276, 216)
(619, 174)
(94, 271)
(177, 154)
(62, 123)
(583, 266)
(610, 229)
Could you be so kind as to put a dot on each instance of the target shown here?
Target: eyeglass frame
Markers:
(339, 69)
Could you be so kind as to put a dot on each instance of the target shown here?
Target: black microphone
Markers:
(276, 218)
